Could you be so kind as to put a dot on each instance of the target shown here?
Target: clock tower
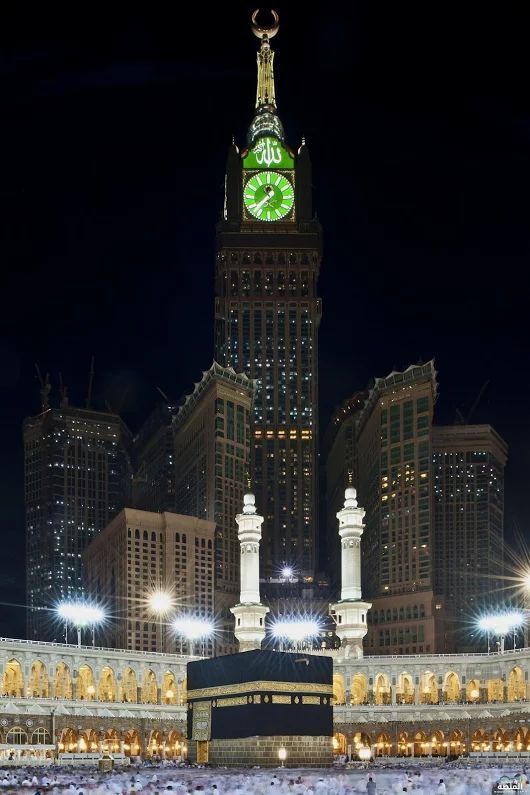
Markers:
(267, 315)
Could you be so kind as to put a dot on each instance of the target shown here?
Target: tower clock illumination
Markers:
(268, 196)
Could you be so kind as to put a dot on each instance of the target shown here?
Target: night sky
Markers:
(115, 133)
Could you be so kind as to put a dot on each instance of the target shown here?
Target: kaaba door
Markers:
(202, 752)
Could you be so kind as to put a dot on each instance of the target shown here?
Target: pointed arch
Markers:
(428, 688)
(473, 690)
(63, 681)
(516, 685)
(149, 688)
(405, 689)
(107, 685)
(38, 685)
(382, 690)
(359, 689)
(339, 744)
(495, 689)
(338, 689)
(169, 688)
(129, 687)
(383, 745)
(451, 688)
(13, 681)
(86, 688)
(132, 745)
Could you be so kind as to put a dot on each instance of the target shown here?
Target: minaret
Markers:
(350, 612)
(249, 614)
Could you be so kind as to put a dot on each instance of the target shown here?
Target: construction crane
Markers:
(45, 389)
(460, 419)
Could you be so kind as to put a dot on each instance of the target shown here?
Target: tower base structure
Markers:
(250, 625)
(300, 751)
(350, 621)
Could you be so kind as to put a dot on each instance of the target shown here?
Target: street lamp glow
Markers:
(287, 572)
(81, 614)
(502, 623)
(160, 602)
(364, 753)
(193, 628)
(296, 631)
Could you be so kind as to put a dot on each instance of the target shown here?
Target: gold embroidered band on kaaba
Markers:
(260, 686)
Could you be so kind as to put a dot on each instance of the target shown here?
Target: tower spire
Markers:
(265, 121)
(265, 95)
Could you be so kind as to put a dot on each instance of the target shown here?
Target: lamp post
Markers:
(282, 755)
(295, 631)
(81, 615)
(501, 624)
(192, 630)
(160, 604)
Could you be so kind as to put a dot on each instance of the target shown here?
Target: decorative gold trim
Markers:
(281, 699)
(232, 702)
(202, 721)
(260, 687)
(311, 700)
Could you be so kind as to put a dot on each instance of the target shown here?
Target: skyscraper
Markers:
(468, 475)
(267, 315)
(212, 448)
(342, 470)
(77, 477)
(142, 552)
(154, 462)
(395, 487)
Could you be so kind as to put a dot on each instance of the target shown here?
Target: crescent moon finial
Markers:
(268, 32)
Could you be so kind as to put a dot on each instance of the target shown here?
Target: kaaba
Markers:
(275, 699)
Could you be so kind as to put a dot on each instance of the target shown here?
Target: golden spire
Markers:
(265, 96)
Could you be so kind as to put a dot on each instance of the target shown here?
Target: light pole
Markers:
(501, 624)
(192, 630)
(160, 604)
(295, 631)
(81, 615)
(526, 606)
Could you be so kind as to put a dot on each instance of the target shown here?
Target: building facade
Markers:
(341, 470)
(468, 476)
(140, 553)
(212, 447)
(267, 315)
(58, 698)
(395, 487)
(77, 476)
(154, 462)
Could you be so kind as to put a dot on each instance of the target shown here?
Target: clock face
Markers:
(268, 196)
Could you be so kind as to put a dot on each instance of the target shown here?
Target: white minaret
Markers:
(249, 613)
(350, 612)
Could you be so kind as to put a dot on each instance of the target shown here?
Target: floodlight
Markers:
(296, 630)
(193, 628)
(160, 602)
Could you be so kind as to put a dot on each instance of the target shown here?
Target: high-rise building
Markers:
(341, 471)
(267, 315)
(140, 553)
(394, 442)
(212, 447)
(154, 464)
(77, 477)
(468, 475)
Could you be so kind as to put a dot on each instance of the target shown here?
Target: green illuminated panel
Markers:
(268, 152)
(268, 196)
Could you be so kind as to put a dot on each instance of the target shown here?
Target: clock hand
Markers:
(267, 198)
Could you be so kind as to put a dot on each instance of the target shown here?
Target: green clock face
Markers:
(268, 196)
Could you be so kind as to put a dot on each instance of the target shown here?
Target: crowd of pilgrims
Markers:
(219, 781)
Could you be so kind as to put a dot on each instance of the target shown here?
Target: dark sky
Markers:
(115, 132)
